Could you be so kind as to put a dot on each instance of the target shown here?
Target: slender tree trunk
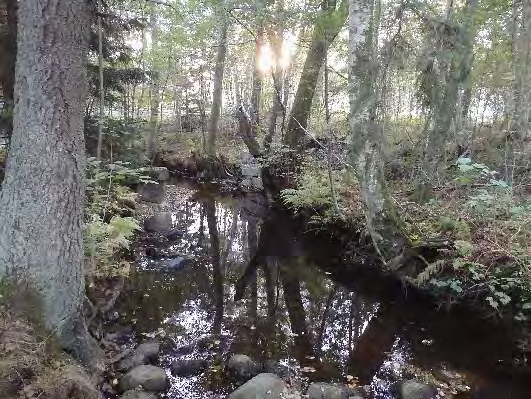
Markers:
(102, 93)
(324, 34)
(277, 39)
(177, 109)
(218, 88)
(42, 197)
(330, 139)
(366, 152)
(155, 94)
(256, 94)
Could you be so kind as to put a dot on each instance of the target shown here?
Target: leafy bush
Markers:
(491, 228)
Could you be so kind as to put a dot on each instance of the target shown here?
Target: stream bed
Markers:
(306, 313)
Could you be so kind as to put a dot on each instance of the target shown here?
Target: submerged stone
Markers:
(321, 390)
(160, 223)
(412, 389)
(152, 192)
(188, 367)
(145, 353)
(264, 386)
(243, 367)
(135, 394)
(150, 378)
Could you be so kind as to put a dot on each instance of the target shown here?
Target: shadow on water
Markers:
(302, 311)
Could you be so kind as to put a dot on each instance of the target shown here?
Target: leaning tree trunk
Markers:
(366, 152)
(218, 89)
(42, 197)
(325, 31)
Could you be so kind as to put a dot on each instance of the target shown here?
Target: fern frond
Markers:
(429, 272)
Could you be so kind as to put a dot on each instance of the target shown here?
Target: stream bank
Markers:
(310, 313)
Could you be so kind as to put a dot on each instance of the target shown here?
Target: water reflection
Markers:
(248, 285)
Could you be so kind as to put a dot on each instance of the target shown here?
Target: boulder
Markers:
(174, 234)
(243, 367)
(411, 389)
(173, 263)
(188, 367)
(150, 378)
(152, 192)
(263, 386)
(279, 369)
(134, 394)
(159, 223)
(251, 170)
(320, 390)
(159, 173)
(142, 355)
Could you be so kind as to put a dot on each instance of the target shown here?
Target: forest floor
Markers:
(31, 364)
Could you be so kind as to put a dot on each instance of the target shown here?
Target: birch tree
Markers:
(366, 150)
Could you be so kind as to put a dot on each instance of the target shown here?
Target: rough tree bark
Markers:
(218, 88)
(42, 197)
(366, 151)
(326, 29)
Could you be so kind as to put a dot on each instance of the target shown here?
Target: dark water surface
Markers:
(301, 312)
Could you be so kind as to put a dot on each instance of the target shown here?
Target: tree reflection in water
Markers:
(290, 310)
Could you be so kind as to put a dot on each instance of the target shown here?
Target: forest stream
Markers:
(304, 317)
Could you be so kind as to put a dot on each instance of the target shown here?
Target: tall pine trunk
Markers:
(42, 197)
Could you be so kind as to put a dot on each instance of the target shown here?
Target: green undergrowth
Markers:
(312, 194)
(109, 225)
(489, 223)
(485, 221)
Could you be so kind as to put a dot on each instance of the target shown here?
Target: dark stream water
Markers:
(306, 311)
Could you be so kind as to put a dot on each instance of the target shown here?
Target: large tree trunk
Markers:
(42, 198)
(8, 51)
(366, 152)
(324, 34)
(218, 89)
